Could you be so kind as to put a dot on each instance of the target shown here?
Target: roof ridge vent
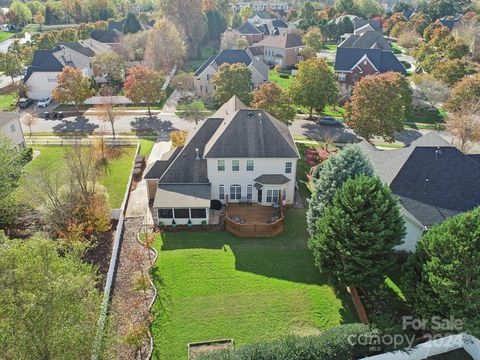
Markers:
(438, 152)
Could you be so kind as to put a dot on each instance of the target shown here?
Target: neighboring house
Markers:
(239, 155)
(352, 64)
(368, 40)
(11, 128)
(111, 35)
(41, 75)
(283, 49)
(432, 179)
(453, 347)
(203, 77)
(249, 32)
(261, 18)
(274, 27)
(450, 21)
(361, 26)
(261, 5)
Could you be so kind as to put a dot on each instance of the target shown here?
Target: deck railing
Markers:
(256, 229)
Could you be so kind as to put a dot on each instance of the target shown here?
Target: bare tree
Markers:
(466, 31)
(183, 83)
(109, 112)
(229, 40)
(29, 119)
(432, 90)
(465, 125)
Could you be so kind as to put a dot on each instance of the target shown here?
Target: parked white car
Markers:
(44, 102)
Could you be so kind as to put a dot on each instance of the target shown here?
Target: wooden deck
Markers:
(254, 220)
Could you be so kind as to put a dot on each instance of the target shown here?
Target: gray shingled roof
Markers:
(227, 57)
(368, 40)
(182, 196)
(282, 41)
(251, 134)
(248, 29)
(384, 61)
(272, 179)
(78, 48)
(186, 168)
(453, 178)
(43, 61)
(155, 170)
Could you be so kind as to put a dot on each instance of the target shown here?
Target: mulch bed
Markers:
(130, 303)
(100, 254)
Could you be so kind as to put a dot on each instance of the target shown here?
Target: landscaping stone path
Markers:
(133, 295)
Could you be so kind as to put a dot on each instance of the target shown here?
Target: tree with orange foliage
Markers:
(274, 100)
(379, 105)
(72, 87)
(144, 85)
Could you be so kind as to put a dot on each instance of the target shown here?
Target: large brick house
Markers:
(352, 64)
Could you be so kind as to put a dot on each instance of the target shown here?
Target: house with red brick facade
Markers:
(351, 64)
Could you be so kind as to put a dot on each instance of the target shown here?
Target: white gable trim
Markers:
(364, 57)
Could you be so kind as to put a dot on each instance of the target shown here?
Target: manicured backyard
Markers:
(7, 102)
(274, 75)
(213, 285)
(114, 180)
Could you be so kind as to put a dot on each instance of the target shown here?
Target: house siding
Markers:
(244, 178)
(16, 137)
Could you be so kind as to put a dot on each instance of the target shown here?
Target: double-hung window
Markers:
(221, 192)
(250, 165)
(221, 165)
(235, 165)
(272, 196)
(235, 192)
(288, 167)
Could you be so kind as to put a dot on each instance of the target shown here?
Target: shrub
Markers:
(285, 76)
(278, 67)
(27, 155)
(340, 343)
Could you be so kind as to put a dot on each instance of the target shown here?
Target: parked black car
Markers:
(329, 121)
(24, 103)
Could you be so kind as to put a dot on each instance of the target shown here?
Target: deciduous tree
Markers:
(443, 275)
(49, 300)
(72, 87)
(349, 162)
(314, 39)
(233, 79)
(379, 105)
(194, 111)
(274, 100)
(464, 92)
(111, 65)
(29, 119)
(464, 124)
(178, 137)
(314, 85)
(9, 64)
(449, 71)
(144, 85)
(357, 234)
(165, 46)
(109, 112)
(435, 91)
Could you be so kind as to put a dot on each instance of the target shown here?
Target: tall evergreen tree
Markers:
(443, 275)
(348, 163)
(357, 234)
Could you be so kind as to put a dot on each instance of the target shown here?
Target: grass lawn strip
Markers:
(274, 76)
(213, 285)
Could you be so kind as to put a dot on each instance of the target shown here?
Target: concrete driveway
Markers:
(138, 201)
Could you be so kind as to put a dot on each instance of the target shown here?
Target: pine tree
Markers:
(132, 25)
(357, 234)
(349, 162)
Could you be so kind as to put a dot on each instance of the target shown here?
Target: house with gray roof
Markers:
(203, 77)
(238, 155)
(368, 40)
(283, 49)
(351, 64)
(432, 179)
(249, 32)
(261, 17)
(41, 75)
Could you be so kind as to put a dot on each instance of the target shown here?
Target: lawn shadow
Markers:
(146, 123)
(80, 124)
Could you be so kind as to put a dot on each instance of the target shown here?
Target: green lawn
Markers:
(212, 285)
(4, 35)
(337, 111)
(274, 76)
(396, 49)
(146, 145)
(114, 180)
(7, 102)
(427, 116)
(331, 47)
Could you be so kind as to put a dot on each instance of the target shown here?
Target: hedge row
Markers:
(340, 343)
